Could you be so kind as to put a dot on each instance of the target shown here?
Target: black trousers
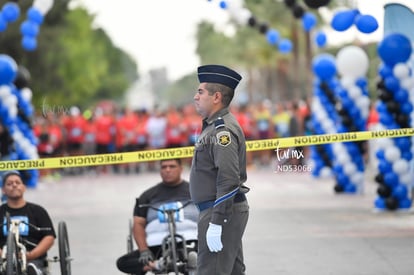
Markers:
(129, 264)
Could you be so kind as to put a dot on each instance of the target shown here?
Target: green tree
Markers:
(73, 64)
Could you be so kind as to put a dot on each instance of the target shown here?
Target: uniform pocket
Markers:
(198, 155)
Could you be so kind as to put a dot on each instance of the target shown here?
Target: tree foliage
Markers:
(271, 74)
(74, 64)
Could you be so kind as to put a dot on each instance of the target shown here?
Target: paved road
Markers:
(298, 226)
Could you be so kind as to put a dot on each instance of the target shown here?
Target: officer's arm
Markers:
(226, 159)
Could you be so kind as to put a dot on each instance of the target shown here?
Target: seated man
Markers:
(38, 242)
(148, 231)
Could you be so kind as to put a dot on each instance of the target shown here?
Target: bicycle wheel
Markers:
(64, 251)
(130, 242)
(12, 262)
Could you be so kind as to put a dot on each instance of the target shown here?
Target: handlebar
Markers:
(164, 210)
(9, 222)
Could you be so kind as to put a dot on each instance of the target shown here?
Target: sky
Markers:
(160, 33)
(157, 33)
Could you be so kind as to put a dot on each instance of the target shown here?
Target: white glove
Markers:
(213, 237)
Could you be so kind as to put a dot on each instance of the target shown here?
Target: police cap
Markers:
(218, 74)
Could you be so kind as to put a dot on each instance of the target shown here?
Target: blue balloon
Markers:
(391, 179)
(400, 191)
(8, 69)
(350, 188)
(406, 107)
(285, 46)
(394, 48)
(362, 82)
(384, 166)
(342, 179)
(11, 12)
(3, 23)
(324, 66)
(29, 28)
(385, 71)
(366, 23)
(407, 155)
(223, 5)
(381, 108)
(35, 15)
(380, 203)
(29, 43)
(392, 83)
(386, 119)
(343, 20)
(272, 36)
(401, 96)
(320, 39)
(308, 21)
(403, 143)
(404, 203)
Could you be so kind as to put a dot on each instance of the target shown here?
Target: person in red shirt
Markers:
(125, 138)
(50, 140)
(74, 126)
(176, 136)
(246, 121)
(193, 124)
(104, 124)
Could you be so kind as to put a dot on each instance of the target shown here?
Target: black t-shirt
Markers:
(31, 213)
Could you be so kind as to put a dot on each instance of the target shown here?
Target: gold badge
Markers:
(223, 138)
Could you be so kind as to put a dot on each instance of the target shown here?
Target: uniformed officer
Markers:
(217, 175)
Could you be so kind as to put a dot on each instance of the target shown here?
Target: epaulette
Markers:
(219, 123)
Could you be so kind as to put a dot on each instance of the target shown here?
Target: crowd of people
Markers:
(109, 130)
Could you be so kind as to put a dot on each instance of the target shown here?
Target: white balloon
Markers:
(43, 5)
(325, 172)
(352, 61)
(337, 148)
(4, 91)
(407, 83)
(401, 71)
(354, 92)
(343, 159)
(363, 102)
(406, 178)
(350, 168)
(10, 101)
(27, 94)
(392, 154)
(13, 111)
(384, 143)
(243, 16)
(327, 124)
(357, 178)
(347, 82)
(400, 166)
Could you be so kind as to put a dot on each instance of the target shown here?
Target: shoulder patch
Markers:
(219, 123)
(223, 138)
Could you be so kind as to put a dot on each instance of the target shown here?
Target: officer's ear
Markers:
(217, 97)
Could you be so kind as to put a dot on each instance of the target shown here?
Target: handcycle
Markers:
(177, 256)
(13, 258)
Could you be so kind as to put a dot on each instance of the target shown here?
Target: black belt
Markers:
(239, 197)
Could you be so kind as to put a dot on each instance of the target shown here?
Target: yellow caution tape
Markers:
(186, 152)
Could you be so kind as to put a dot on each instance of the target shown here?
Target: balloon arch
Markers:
(16, 110)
